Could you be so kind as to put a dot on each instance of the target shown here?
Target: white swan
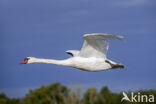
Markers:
(91, 57)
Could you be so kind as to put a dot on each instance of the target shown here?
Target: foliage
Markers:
(5, 100)
(59, 94)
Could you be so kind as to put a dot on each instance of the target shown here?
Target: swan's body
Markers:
(92, 56)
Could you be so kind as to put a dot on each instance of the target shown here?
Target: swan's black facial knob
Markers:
(25, 61)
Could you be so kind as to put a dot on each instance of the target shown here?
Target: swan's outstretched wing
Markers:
(95, 45)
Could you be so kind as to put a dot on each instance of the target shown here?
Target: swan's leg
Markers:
(115, 66)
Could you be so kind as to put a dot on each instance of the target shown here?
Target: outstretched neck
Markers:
(66, 62)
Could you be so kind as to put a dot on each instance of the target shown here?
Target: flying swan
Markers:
(91, 57)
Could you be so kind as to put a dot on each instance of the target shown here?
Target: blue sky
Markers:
(46, 29)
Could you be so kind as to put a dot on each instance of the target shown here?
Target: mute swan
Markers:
(91, 57)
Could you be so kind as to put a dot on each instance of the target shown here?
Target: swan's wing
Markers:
(95, 45)
(73, 52)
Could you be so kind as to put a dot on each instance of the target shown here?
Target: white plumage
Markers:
(91, 57)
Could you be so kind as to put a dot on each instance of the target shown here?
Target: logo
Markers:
(138, 97)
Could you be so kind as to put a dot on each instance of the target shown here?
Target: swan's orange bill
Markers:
(24, 62)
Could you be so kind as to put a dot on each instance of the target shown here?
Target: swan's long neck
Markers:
(51, 61)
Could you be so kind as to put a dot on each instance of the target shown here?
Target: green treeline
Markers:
(59, 94)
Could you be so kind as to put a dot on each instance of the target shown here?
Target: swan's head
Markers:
(28, 60)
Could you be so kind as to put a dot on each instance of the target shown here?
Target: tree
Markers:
(5, 100)
(59, 94)
(91, 96)
(107, 97)
(52, 94)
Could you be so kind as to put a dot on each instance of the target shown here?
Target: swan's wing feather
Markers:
(102, 36)
(94, 48)
(95, 45)
(73, 52)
